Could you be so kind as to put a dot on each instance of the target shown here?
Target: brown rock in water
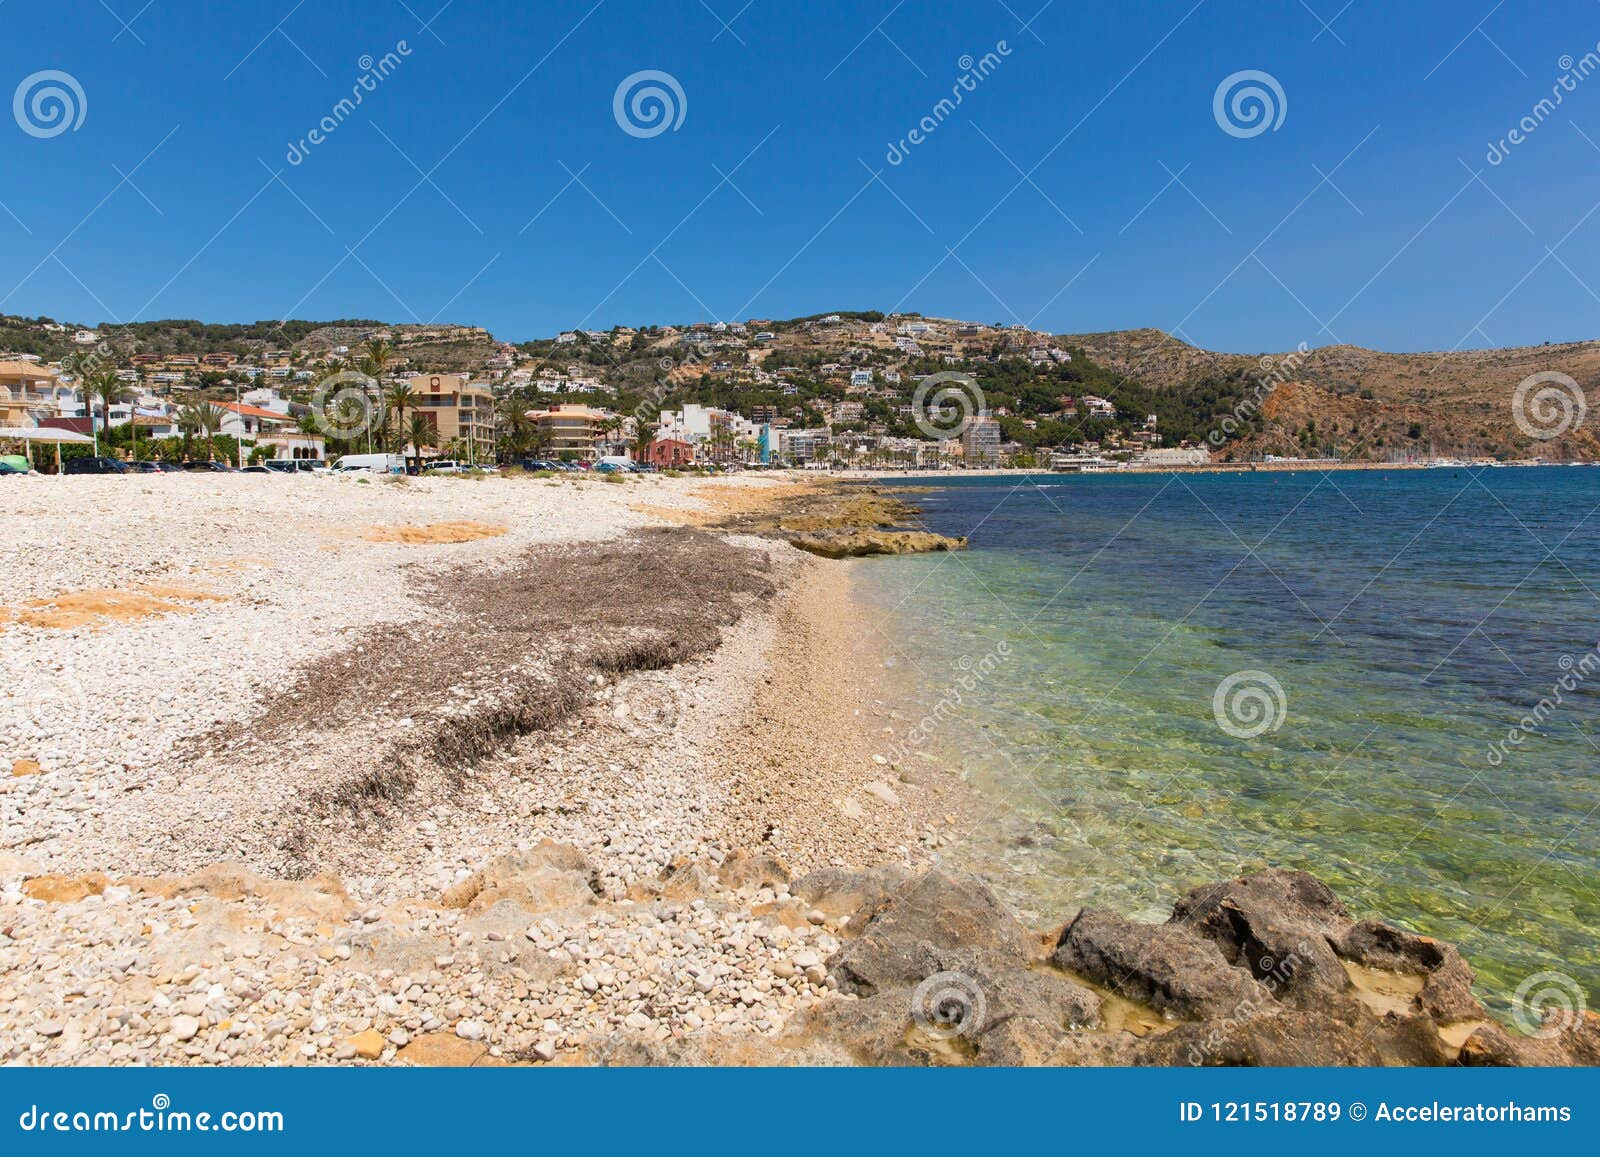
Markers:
(877, 541)
(1280, 1036)
(1166, 966)
(1279, 924)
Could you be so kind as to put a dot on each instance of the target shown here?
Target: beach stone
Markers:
(368, 1044)
(185, 1027)
(471, 1030)
(22, 767)
(1166, 966)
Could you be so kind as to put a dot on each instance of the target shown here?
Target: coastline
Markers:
(648, 817)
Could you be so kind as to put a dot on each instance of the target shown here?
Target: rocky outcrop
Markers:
(1252, 971)
(848, 522)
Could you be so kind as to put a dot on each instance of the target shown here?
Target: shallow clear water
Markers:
(1068, 664)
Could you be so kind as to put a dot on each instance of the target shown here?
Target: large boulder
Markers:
(1279, 924)
(1167, 966)
(910, 931)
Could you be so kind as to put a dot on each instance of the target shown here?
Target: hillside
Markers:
(1359, 402)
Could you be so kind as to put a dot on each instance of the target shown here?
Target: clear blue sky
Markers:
(1083, 184)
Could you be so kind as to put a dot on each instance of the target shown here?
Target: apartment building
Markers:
(457, 408)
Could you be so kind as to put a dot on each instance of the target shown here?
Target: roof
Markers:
(26, 370)
(253, 411)
(76, 425)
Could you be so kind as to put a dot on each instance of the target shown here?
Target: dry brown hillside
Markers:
(1367, 403)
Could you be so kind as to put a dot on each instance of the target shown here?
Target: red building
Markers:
(669, 453)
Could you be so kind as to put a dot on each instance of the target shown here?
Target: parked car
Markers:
(210, 468)
(93, 465)
(278, 466)
(9, 468)
(168, 468)
(258, 470)
(15, 463)
(142, 467)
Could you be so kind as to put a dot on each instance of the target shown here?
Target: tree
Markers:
(102, 386)
(199, 420)
(399, 398)
(422, 434)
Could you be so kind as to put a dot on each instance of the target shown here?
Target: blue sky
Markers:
(1083, 183)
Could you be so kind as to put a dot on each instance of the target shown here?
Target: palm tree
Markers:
(103, 386)
(399, 397)
(201, 419)
(375, 363)
(421, 434)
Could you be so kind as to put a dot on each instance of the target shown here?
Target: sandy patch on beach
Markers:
(438, 532)
(101, 607)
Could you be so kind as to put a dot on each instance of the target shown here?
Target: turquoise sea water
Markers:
(1385, 630)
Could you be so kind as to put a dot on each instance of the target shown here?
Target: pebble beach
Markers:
(197, 667)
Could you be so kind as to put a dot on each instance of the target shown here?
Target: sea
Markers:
(1388, 678)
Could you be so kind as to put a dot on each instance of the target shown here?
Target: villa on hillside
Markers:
(28, 392)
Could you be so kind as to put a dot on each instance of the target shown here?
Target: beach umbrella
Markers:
(31, 434)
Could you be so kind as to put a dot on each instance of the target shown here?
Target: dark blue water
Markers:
(1375, 636)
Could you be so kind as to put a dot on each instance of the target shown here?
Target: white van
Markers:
(370, 464)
